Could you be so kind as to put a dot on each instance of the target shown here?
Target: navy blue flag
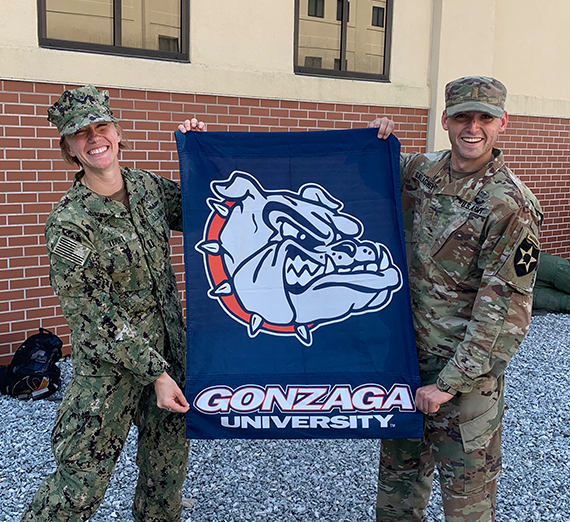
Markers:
(298, 307)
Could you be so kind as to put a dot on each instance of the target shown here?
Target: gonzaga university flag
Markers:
(298, 308)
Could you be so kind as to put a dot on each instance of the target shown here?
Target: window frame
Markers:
(331, 73)
(118, 50)
(318, 3)
(380, 10)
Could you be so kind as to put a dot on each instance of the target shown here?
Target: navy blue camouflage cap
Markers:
(475, 93)
(80, 107)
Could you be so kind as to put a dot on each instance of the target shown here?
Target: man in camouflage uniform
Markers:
(107, 241)
(471, 231)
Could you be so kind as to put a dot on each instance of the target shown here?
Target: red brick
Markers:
(9, 97)
(157, 95)
(249, 102)
(183, 97)
(217, 109)
(16, 86)
(175, 108)
(22, 219)
(205, 98)
(37, 271)
(270, 103)
(239, 110)
(289, 104)
(218, 128)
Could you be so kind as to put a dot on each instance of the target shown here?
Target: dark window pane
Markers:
(339, 7)
(318, 38)
(144, 20)
(146, 28)
(315, 62)
(365, 43)
(377, 16)
(343, 43)
(90, 21)
(317, 8)
(168, 43)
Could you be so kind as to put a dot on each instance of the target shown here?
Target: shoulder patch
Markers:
(520, 267)
(526, 256)
(71, 250)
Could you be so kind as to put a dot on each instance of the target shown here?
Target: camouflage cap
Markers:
(78, 108)
(475, 93)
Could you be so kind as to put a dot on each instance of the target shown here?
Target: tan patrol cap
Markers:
(475, 93)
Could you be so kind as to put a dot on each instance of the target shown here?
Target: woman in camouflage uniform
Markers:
(107, 241)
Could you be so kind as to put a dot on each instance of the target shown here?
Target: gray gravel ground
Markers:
(332, 481)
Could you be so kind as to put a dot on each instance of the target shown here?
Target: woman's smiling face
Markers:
(96, 146)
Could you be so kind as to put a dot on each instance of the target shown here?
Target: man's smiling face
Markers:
(96, 146)
(473, 135)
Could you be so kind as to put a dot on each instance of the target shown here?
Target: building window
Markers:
(168, 43)
(316, 8)
(143, 28)
(343, 37)
(315, 62)
(339, 9)
(377, 16)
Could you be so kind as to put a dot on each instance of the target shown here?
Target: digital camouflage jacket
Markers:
(472, 248)
(111, 271)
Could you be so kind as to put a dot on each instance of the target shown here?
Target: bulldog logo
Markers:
(286, 263)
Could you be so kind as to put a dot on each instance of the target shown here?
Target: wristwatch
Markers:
(444, 387)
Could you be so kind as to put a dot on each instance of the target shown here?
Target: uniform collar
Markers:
(466, 188)
(99, 206)
(135, 188)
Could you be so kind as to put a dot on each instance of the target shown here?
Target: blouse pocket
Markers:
(457, 247)
(127, 266)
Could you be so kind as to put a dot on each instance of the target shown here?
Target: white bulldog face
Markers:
(286, 263)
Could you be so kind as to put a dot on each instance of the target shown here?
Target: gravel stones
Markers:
(328, 480)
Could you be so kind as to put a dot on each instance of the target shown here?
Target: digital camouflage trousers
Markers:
(91, 426)
(463, 439)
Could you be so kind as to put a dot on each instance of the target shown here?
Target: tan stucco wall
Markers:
(238, 48)
(521, 42)
(246, 48)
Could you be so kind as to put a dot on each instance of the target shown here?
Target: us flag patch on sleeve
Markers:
(71, 250)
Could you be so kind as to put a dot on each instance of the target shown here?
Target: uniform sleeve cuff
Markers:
(157, 366)
(453, 377)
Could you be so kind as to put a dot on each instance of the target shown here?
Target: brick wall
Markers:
(538, 151)
(34, 177)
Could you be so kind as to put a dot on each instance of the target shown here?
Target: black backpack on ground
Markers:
(33, 374)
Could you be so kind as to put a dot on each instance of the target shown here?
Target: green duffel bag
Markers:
(554, 271)
(548, 298)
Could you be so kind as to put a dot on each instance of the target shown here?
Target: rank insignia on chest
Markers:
(526, 257)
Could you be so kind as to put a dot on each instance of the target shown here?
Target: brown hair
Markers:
(124, 144)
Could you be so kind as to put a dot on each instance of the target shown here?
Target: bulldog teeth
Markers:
(303, 334)
(372, 267)
(302, 271)
(221, 290)
(208, 247)
(218, 207)
(329, 267)
(255, 324)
